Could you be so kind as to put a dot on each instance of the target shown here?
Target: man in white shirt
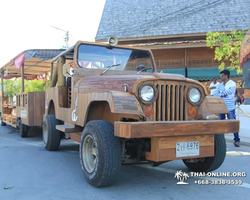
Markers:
(226, 90)
(213, 86)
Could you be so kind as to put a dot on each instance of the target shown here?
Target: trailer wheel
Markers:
(210, 163)
(100, 153)
(1, 121)
(51, 136)
(24, 130)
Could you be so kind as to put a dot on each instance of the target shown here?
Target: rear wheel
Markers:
(51, 136)
(24, 130)
(100, 153)
(210, 163)
(1, 121)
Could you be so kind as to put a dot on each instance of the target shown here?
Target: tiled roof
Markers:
(137, 18)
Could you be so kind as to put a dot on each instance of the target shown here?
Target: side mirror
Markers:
(66, 70)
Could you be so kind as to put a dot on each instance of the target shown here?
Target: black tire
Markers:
(51, 136)
(1, 121)
(107, 159)
(211, 163)
(24, 130)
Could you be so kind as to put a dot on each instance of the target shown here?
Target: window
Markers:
(101, 57)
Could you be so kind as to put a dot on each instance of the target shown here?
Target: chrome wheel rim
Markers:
(89, 153)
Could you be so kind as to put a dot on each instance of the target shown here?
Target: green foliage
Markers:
(14, 86)
(227, 48)
(34, 86)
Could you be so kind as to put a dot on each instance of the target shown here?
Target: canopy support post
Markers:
(22, 76)
(2, 89)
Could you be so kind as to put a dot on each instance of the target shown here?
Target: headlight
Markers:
(194, 95)
(147, 93)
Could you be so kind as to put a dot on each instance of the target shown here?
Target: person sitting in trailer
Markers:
(14, 100)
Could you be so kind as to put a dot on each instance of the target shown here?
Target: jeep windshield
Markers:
(114, 58)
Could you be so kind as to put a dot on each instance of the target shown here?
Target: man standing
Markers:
(213, 86)
(226, 90)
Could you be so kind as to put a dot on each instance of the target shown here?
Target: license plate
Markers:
(184, 149)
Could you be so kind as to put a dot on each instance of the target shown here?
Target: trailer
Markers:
(29, 107)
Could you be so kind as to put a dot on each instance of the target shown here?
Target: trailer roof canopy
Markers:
(35, 62)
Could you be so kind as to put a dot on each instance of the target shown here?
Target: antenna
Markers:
(66, 39)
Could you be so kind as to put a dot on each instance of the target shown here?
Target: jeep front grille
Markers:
(171, 103)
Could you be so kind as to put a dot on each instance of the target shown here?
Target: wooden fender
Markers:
(212, 105)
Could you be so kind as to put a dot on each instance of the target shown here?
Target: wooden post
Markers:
(46, 77)
(61, 79)
(2, 89)
(58, 74)
(51, 72)
(22, 77)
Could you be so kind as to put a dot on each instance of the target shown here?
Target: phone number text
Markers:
(218, 182)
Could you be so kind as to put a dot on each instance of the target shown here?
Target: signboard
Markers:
(24, 113)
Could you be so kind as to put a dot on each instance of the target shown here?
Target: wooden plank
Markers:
(30, 108)
(169, 88)
(75, 136)
(159, 103)
(164, 149)
(39, 105)
(174, 128)
(154, 114)
(153, 155)
(170, 142)
(206, 151)
(68, 129)
(177, 102)
(173, 103)
(181, 101)
(164, 103)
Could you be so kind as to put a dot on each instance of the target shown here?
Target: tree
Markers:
(14, 86)
(227, 47)
(34, 86)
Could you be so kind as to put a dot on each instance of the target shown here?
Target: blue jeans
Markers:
(230, 115)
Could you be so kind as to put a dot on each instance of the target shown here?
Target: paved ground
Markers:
(29, 172)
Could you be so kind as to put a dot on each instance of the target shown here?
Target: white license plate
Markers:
(184, 149)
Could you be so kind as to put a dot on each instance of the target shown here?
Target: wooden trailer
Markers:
(29, 107)
(121, 110)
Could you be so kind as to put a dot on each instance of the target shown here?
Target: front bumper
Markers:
(165, 135)
(154, 129)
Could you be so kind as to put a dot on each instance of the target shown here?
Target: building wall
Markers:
(175, 58)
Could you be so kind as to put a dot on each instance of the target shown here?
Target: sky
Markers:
(27, 24)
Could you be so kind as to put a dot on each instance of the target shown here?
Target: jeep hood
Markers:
(116, 82)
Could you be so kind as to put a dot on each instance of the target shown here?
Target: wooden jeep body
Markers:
(115, 97)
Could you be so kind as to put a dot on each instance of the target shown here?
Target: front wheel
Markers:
(100, 153)
(210, 163)
(51, 136)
